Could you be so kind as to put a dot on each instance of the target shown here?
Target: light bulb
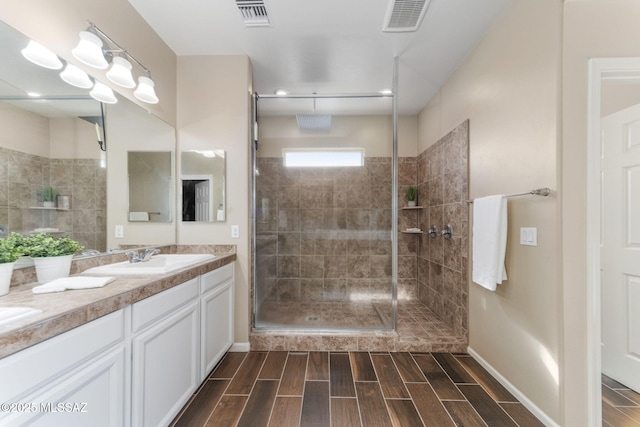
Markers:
(120, 72)
(103, 93)
(89, 51)
(76, 77)
(41, 56)
(145, 91)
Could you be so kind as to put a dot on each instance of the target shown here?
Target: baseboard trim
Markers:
(239, 347)
(537, 412)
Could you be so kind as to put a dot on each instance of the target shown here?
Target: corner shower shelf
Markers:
(407, 208)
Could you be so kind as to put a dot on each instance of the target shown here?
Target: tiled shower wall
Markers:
(324, 234)
(442, 172)
(23, 175)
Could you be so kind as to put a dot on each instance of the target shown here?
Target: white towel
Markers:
(76, 282)
(138, 216)
(489, 240)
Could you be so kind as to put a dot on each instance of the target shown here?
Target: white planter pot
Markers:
(51, 268)
(411, 203)
(6, 271)
(49, 204)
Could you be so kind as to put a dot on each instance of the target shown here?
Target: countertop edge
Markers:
(48, 325)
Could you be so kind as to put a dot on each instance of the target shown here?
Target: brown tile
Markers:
(315, 406)
(614, 398)
(229, 365)
(407, 367)
(442, 384)
(362, 366)
(286, 412)
(615, 417)
(521, 415)
(489, 383)
(292, 383)
(372, 405)
(341, 379)
(390, 380)
(318, 367)
(428, 405)
(344, 412)
(403, 413)
(463, 414)
(487, 408)
(242, 382)
(229, 411)
(202, 405)
(258, 407)
(455, 371)
(273, 366)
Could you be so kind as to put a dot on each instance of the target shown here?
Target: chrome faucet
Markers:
(135, 256)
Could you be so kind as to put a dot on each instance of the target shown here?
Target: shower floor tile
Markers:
(333, 326)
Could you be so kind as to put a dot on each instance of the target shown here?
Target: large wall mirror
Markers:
(53, 135)
(203, 185)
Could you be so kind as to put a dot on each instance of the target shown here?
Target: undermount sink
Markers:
(158, 264)
(9, 315)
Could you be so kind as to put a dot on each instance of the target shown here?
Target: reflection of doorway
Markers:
(196, 198)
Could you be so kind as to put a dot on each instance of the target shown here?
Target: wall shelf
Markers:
(411, 232)
(47, 209)
(408, 208)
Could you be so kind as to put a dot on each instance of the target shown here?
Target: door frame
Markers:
(600, 69)
(198, 177)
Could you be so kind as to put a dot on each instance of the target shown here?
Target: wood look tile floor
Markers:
(348, 389)
(620, 405)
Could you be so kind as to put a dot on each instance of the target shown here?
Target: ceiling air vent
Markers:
(254, 13)
(405, 15)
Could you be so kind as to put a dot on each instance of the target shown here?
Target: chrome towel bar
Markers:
(538, 192)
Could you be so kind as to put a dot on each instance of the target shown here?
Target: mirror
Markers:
(52, 141)
(150, 185)
(203, 185)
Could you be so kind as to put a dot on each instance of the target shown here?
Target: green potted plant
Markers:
(412, 195)
(11, 248)
(48, 195)
(51, 255)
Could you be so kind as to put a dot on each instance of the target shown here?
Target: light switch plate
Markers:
(529, 236)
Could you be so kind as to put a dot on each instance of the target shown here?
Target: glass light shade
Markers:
(145, 91)
(41, 56)
(89, 51)
(120, 72)
(103, 93)
(76, 77)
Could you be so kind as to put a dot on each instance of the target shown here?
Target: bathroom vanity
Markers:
(143, 346)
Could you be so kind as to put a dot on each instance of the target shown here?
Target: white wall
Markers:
(592, 29)
(508, 88)
(214, 112)
(24, 131)
(373, 133)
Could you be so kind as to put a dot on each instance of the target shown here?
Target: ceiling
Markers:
(329, 46)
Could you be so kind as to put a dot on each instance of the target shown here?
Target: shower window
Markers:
(323, 157)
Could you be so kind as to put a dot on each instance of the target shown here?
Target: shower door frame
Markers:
(394, 203)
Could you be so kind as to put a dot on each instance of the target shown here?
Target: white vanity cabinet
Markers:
(134, 367)
(166, 354)
(216, 311)
(74, 379)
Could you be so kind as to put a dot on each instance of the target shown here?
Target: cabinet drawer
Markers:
(38, 366)
(149, 310)
(216, 277)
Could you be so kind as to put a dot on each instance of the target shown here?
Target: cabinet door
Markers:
(90, 395)
(217, 326)
(165, 367)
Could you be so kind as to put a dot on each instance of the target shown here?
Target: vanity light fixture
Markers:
(41, 56)
(97, 49)
(120, 72)
(76, 77)
(103, 93)
(145, 91)
(89, 51)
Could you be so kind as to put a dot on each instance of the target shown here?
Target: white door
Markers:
(202, 201)
(620, 237)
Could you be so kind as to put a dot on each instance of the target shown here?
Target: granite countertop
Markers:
(63, 311)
